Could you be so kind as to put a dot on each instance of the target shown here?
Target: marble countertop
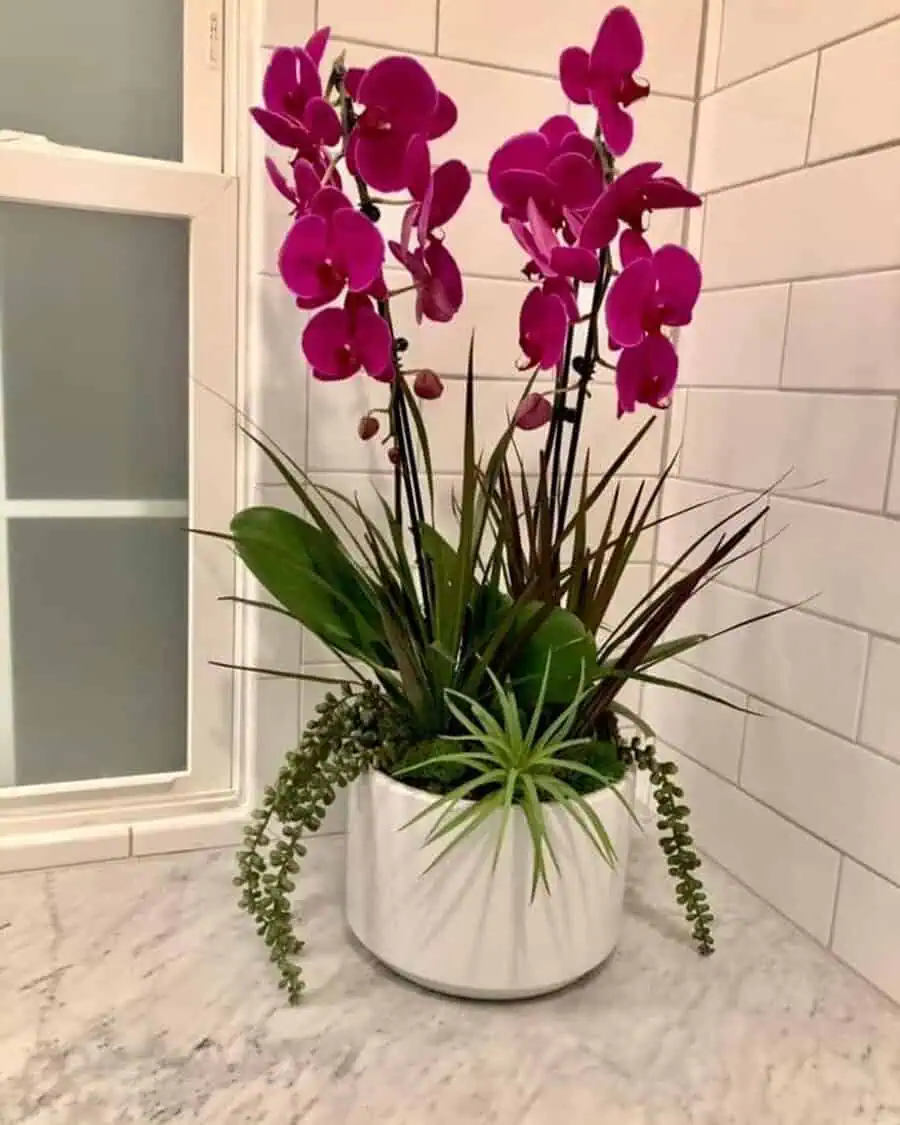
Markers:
(135, 992)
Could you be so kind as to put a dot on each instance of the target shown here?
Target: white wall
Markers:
(794, 362)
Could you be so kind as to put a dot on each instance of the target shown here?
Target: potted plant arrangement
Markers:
(480, 725)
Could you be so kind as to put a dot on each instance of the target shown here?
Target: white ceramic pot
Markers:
(464, 929)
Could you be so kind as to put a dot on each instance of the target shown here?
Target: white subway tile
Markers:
(803, 224)
(276, 728)
(894, 488)
(287, 22)
(715, 11)
(814, 667)
(735, 338)
(756, 128)
(676, 535)
(709, 733)
(471, 29)
(606, 435)
(793, 871)
(881, 709)
(842, 122)
(479, 241)
(490, 309)
(279, 376)
(760, 33)
(395, 23)
(334, 413)
(867, 925)
(844, 333)
(842, 792)
(663, 128)
(748, 439)
(846, 560)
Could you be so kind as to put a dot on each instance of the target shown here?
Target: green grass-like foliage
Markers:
(518, 764)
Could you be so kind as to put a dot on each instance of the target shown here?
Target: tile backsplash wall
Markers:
(794, 364)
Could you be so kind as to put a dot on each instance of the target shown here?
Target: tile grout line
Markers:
(801, 54)
(892, 462)
(812, 107)
(826, 275)
(437, 26)
(837, 899)
(863, 685)
(784, 334)
(719, 48)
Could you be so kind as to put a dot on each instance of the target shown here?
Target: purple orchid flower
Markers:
(628, 200)
(329, 247)
(437, 195)
(436, 276)
(543, 324)
(548, 257)
(400, 101)
(556, 166)
(306, 186)
(605, 77)
(294, 113)
(339, 342)
(533, 412)
(651, 293)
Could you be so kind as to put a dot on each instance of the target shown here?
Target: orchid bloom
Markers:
(652, 292)
(627, 200)
(437, 195)
(329, 247)
(306, 183)
(543, 324)
(436, 276)
(339, 342)
(400, 101)
(547, 257)
(294, 113)
(533, 412)
(605, 77)
(555, 166)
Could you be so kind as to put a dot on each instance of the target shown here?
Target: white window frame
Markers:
(210, 795)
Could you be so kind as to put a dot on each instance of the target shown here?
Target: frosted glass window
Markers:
(99, 647)
(94, 347)
(102, 74)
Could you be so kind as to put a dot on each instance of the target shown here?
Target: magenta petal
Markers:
(678, 281)
(280, 183)
(575, 262)
(574, 74)
(328, 200)
(302, 252)
(326, 341)
(520, 186)
(578, 142)
(380, 159)
(533, 412)
(669, 193)
(626, 302)
(410, 222)
(306, 181)
(562, 289)
(618, 128)
(316, 44)
(543, 233)
(602, 223)
(371, 339)
(633, 245)
(522, 234)
(558, 127)
(451, 182)
(579, 181)
(281, 78)
(543, 325)
(358, 248)
(282, 130)
(523, 151)
(352, 79)
(401, 88)
(322, 121)
(647, 373)
(444, 117)
(442, 296)
(417, 167)
(619, 46)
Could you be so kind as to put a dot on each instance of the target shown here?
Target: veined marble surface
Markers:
(135, 992)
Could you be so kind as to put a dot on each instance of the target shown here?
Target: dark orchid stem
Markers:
(406, 476)
(558, 418)
(584, 367)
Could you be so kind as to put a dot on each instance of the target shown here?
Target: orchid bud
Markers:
(533, 412)
(427, 385)
(394, 455)
(368, 427)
